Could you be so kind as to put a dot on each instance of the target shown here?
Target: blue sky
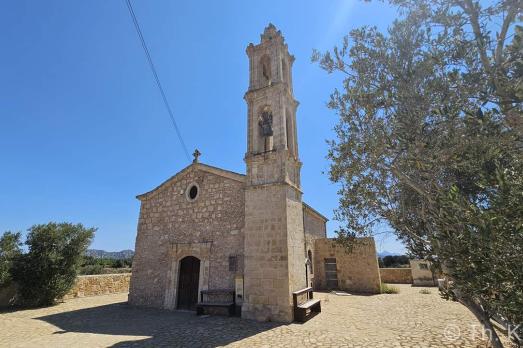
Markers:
(82, 126)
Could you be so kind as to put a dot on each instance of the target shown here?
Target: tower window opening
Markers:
(284, 71)
(266, 131)
(289, 132)
(265, 68)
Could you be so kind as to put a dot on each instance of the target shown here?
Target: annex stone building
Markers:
(208, 228)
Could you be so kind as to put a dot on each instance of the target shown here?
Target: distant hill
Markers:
(387, 253)
(124, 254)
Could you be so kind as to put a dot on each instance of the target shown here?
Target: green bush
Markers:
(48, 270)
(424, 291)
(394, 261)
(116, 270)
(9, 250)
(91, 265)
(107, 262)
(91, 269)
(389, 289)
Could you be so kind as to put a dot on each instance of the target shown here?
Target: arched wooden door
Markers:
(188, 282)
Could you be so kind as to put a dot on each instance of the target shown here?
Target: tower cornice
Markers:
(251, 94)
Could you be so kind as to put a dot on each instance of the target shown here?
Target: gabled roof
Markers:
(306, 206)
(198, 166)
(213, 170)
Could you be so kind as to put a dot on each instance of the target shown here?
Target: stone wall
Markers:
(422, 273)
(357, 271)
(314, 226)
(171, 227)
(314, 223)
(85, 286)
(267, 294)
(296, 242)
(396, 275)
(99, 284)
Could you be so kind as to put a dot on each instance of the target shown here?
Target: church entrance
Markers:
(188, 283)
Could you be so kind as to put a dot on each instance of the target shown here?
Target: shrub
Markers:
(117, 270)
(107, 262)
(394, 261)
(389, 289)
(48, 270)
(424, 291)
(9, 250)
(91, 269)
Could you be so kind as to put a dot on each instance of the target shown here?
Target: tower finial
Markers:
(271, 33)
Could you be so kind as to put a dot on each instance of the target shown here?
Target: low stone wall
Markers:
(396, 275)
(422, 273)
(355, 271)
(99, 284)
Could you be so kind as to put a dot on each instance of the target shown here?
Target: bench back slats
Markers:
(295, 295)
(217, 298)
(215, 292)
(302, 291)
(305, 309)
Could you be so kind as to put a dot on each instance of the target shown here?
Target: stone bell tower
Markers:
(274, 237)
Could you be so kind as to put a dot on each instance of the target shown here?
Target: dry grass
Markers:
(389, 289)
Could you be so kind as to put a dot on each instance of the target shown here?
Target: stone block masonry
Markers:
(422, 273)
(172, 227)
(272, 241)
(99, 284)
(356, 270)
(396, 275)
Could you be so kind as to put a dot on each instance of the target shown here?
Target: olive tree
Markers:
(48, 270)
(9, 250)
(430, 139)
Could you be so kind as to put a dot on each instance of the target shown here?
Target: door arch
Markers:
(188, 280)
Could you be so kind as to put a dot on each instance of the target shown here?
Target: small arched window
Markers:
(265, 130)
(289, 131)
(284, 71)
(265, 70)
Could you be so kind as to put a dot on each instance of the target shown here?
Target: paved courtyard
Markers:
(408, 319)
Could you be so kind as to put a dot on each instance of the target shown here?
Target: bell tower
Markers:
(274, 237)
(271, 109)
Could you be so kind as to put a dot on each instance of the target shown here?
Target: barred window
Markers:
(233, 263)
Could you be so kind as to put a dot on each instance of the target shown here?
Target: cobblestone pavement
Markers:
(408, 319)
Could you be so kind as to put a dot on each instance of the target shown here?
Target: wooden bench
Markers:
(305, 310)
(217, 298)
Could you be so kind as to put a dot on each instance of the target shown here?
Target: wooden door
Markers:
(188, 282)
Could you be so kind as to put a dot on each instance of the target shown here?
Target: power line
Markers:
(153, 69)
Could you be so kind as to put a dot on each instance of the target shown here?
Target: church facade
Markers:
(208, 228)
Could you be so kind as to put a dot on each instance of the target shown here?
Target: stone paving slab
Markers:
(408, 319)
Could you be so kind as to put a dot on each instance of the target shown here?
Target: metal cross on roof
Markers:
(196, 154)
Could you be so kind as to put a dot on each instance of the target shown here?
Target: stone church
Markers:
(209, 228)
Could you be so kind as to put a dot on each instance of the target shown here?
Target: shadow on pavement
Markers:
(165, 328)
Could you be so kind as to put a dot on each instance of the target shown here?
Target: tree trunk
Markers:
(483, 318)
